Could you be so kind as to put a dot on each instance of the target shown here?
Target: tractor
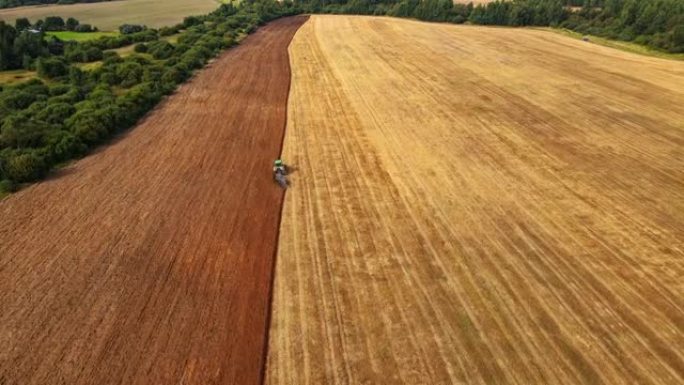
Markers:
(280, 173)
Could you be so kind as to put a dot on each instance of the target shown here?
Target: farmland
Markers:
(478, 205)
(108, 16)
(150, 261)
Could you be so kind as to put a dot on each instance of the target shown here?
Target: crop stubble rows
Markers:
(478, 205)
(150, 261)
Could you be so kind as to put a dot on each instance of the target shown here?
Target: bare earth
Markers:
(150, 262)
(478, 205)
(108, 16)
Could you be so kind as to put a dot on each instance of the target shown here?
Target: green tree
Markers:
(30, 44)
(24, 166)
(71, 24)
(129, 73)
(56, 113)
(64, 145)
(127, 29)
(53, 23)
(22, 24)
(52, 67)
(7, 55)
(85, 28)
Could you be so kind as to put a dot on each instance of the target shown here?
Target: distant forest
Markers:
(655, 23)
(20, 3)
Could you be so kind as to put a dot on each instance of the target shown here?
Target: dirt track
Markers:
(150, 261)
(479, 205)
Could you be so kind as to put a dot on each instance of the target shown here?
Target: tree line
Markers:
(67, 111)
(52, 24)
(656, 23)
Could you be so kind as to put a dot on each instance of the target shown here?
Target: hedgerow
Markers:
(68, 111)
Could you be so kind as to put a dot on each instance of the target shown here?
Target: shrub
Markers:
(59, 89)
(64, 145)
(171, 77)
(56, 113)
(55, 46)
(168, 31)
(128, 29)
(83, 53)
(24, 166)
(129, 73)
(52, 67)
(72, 96)
(161, 49)
(152, 73)
(92, 125)
(140, 48)
(191, 21)
(6, 185)
(93, 54)
(16, 100)
(111, 58)
(53, 23)
(84, 28)
(74, 53)
(71, 24)
(22, 24)
(22, 130)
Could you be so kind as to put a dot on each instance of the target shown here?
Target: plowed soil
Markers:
(150, 261)
(479, 206)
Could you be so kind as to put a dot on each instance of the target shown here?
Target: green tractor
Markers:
(280, 173)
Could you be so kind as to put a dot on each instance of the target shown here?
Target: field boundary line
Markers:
(274, 258)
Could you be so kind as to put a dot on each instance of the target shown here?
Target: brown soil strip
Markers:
(150, 261)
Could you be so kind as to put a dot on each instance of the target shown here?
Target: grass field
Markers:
(80, 36)
(15, 76)
(108, 16)
(478, 206)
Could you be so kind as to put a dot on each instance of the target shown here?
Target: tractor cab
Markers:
(279, 166)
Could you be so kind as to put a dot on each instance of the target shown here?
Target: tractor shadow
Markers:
(292, 169)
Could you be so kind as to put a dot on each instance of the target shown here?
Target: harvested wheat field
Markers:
(150, 262)
(478, 205)
(108, 16)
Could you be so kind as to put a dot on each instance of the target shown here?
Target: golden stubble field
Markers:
(478, 205)
(108, 16)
